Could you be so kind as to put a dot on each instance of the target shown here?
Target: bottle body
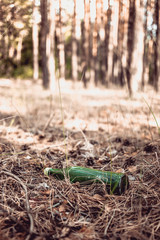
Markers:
(115, 182)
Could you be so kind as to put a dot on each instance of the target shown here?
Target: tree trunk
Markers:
(74, 45)
(35, 41)
(105, 52)
(156, 46)
(102, 53)
(51, 44)
(85, 58)
(123, 70)
(11, 33)
(100, 67)
(145, 55)
(2, 39)
(113, 38)
(19, 47)
(158, 41)
(135, 46)
(11, 50)
(61, 44)
(107, 34)
(94, 59)
(44, 30)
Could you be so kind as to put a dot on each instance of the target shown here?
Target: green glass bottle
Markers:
(116, 183)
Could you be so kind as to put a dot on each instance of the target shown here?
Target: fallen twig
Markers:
(31, 229)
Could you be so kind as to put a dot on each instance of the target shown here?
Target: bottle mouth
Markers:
(124, 184)
(119, 186)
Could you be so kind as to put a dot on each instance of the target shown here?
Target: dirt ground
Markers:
(95, 128)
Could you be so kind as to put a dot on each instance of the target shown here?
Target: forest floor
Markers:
(95, 128)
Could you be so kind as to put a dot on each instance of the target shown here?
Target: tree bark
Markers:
(125, 20)
(156, 46)
(158, 41)
(102, 54)
(85, 58)
(145, 55)
(35, 40)
(44, 30)
(94, 59)
(61, 44)
(19, 47)
(113, 38)
(2, 39)
(51, 45)
(74, 45)
(135, 46)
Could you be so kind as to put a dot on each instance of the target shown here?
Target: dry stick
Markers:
(3, 119)
(31, 229)
(86, 140)
(106, 229)
(48, 122)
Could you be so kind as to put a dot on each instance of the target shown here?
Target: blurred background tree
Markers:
(16, 38)
(99, 42)
(35, 40)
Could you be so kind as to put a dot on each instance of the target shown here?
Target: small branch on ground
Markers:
(31, 229)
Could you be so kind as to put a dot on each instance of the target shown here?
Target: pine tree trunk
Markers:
(94, 59)
(107, 34)
(11, 48)
(125, 13)
(105, 52)
(74, 45)
(156, 46)
(145, 55)
(102, 36)
(158, 41)
(135, 46)
(85, 57)
(113, 38)
(2, 39)
(102, 46)
(35, 41)
(61, 44)
(51, 44)
(19, 47)
(44, 30)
